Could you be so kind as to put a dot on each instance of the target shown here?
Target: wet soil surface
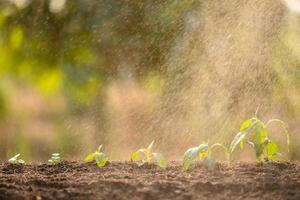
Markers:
(119, 180)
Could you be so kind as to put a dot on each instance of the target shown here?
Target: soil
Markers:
(125, 180)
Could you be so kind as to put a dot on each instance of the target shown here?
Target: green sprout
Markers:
(55, 159)
(265, 148)
(15, 160)
(100, 158)
(203, 151)
(149, 156)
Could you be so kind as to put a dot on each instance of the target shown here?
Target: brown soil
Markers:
(73, 180)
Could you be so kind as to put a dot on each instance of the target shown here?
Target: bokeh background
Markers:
(75, 74)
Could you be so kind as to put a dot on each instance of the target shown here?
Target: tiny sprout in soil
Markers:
(100, 158)
(203, 151)
(254, 132)
(149, 156)
(15, 160)
(55, 159)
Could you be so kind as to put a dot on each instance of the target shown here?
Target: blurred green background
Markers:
(75, 74)
(59, 59)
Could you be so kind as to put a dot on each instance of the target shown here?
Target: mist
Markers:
(123, 74)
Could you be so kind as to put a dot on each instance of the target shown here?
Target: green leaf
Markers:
(98, 156)
(16, 156)
(203, 154)
(209, 162)
(136, 154)
(15, 160)
(259, 134)
(21, 161)
(147, 153)
(150, 145)
(90, 157)
(160, 160)
(99, 148)
(247, 124)
(242, 143)
(239, 138)
(101, 159)
(55, 159)
(288, 142)
(259, 137)
(272, 150)
(203, 148)
(191, 154)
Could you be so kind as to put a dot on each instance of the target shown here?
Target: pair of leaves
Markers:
(260, 141)
(269, 149)
(16, 160)
(258, 138)
(272, 150)
(191, 154)
(145, 151)
(203, 151)
(157, 158)
(55, 159)
(100, 158)
(240, 138)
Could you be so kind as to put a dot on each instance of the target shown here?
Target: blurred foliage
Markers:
(78, 49)
(2, 106)
(74, 49)
(86, 43)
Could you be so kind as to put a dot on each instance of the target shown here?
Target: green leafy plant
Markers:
(55, 159)
(149, 156)
(203, 151)
(100, 158)
(16, 160)
(254, 132)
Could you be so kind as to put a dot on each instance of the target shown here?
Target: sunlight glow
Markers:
(56, 6)
(20, 3)
(293, 5)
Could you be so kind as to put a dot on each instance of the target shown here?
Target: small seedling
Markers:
(100, 158)
(15, 160)
(55, 159)
(265, 148)
(203, 151)
(149, 156)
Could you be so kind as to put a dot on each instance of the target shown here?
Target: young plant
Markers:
(15, 160)
(203, 151)
(55, 159)
(100, 158)
(149, 156)
(254, 132)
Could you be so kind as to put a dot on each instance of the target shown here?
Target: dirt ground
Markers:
(74, 180)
